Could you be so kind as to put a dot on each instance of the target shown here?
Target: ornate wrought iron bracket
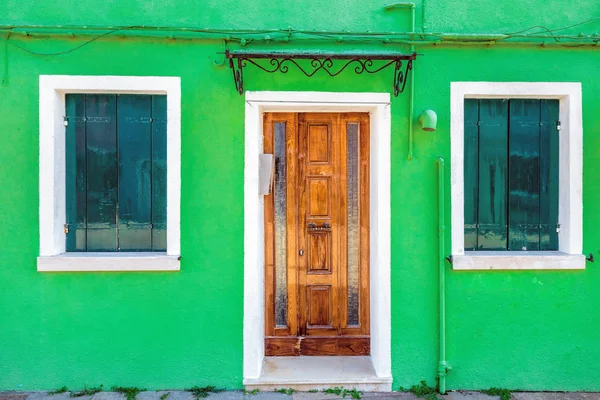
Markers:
(314, 62)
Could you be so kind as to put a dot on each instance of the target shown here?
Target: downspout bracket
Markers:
(443, 369)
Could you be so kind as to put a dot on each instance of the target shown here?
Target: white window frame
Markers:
(569, 254)
(52, 207)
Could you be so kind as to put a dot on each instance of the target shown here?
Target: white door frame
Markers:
(378, 106)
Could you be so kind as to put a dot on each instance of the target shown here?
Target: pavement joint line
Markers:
(242, 395)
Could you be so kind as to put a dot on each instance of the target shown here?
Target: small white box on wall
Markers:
(266, 172)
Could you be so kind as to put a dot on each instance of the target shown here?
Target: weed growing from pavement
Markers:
(355, 394)
(164, 395)
(87, 391)
(503, 393)
(59, 391)
(129, 392)
(252, 392)
(201, 392)
(424, 390)
(288, 391)
(336, 390)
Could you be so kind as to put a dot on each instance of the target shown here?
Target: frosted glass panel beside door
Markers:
(280, 227)
(352, 144)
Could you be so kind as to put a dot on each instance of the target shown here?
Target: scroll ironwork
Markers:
(332, 64)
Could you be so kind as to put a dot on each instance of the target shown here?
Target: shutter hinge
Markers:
(65, 120)
(66, 228)
(558, 127)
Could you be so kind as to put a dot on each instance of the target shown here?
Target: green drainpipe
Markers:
(443, 366)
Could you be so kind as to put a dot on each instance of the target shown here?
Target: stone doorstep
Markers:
(317, 373)
(306, 387)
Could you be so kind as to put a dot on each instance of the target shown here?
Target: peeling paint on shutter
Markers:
(135, 146)
(549, 162)
(471, 172)
(493, 144)
(76, 207)
(101, 133)
(524, 175)
(159, 173)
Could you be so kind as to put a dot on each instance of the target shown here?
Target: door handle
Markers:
(312, 227)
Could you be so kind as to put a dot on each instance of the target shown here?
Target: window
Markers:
(511, 174)
(109, 173)
(116, 153)
(516, 179)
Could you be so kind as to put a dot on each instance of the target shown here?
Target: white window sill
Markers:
(90, 262)
(517, 260)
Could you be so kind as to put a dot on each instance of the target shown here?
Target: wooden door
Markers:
(316, 235)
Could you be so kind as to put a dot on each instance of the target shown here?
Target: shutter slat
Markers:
(134, 139)
(471, 172)
(524, 175)
(75, 172)
(549, 175)
(493, 142)
(159, 173)
(101, 155)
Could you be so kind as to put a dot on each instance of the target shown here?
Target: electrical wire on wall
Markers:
(244, 37)
(66, 51)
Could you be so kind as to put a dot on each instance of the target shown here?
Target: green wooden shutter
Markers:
(515, 210)
(524, 175)
(135, 146)
(549, 161)
(471, 172)
(116, 172)
(76, 194)
(493, 144)
(102, 177)
(159, 173)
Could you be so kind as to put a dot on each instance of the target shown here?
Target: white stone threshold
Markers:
(310, 373)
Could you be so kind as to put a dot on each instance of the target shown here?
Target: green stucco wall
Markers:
(513, 329)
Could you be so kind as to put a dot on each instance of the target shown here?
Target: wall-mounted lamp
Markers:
(428, 120)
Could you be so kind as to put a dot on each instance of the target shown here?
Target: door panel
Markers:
(320, 306)
(319, 143)
(319, 253)
(318, 211)
(320, 199)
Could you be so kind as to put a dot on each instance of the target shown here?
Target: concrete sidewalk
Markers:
(240, 395)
